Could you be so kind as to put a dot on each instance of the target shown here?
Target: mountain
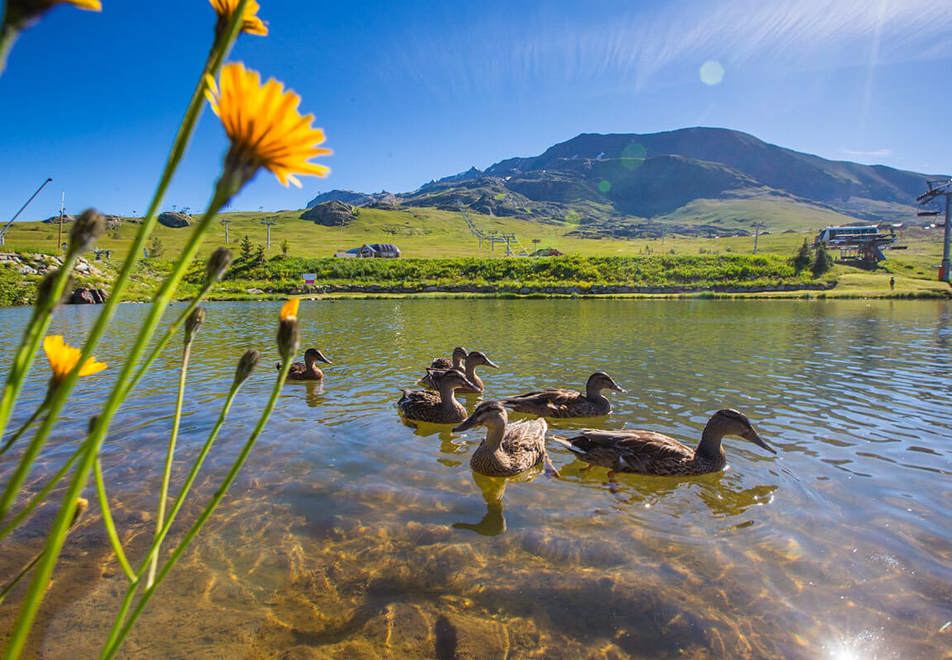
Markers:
(635, 180)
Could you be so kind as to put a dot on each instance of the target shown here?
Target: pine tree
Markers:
(155, 247)
(285, 247)
(803, 258)
(258, 257)
(823, 261)
(245, 248)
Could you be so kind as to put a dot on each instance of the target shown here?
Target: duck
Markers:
(307, 370)
(471, 361)
(439, 407)
(568, 403)
(508, 449)
(459, 356)
(648, 452)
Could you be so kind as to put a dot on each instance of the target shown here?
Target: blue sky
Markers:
(411, 90)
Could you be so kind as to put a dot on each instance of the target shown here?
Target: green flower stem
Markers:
(38, 499)
(169, 456)
(57, 535)
(166, 338)
(32, 336)
(27, 424)
(30, 564)
(179, 502)
(220, 49)
(116, 637)
(109, 524)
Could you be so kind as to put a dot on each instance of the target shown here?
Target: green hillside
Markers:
(439, 236)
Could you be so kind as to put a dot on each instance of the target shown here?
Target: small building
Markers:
(371, 251)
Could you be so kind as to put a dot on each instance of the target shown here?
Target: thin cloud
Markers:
(494, 53)
(866, 154)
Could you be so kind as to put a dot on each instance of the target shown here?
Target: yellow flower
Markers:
(250, 22)
(265, 127)
(89, 5)
(289, 310)
(63, 359)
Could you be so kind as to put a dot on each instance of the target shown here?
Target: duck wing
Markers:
(417, 403)
(547, 403)
(629, 451)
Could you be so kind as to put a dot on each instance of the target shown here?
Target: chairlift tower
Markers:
(757, 227)
(269, 222)
(225, 222)
(5, 228)
(941, 189)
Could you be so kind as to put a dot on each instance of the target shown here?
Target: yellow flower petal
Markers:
(289, 310)
(264, 125)
(63, 358)
(89, 5)
(250, 23)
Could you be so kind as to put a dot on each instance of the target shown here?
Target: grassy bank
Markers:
(440, 255)
(541, 275)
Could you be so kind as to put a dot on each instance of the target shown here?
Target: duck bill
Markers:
(490, 363)
(757, 440)
(465, 425)
(618, 388)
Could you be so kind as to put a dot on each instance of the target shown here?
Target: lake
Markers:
(351, 534)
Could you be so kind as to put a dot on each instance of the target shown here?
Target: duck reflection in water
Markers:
(315, 393)
(721, 492)
(493, 522)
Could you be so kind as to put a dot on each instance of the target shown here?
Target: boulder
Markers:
(174, 219)
(55, 219)
(87, 296)
(331, 214)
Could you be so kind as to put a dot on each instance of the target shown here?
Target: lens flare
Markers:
(712, 72)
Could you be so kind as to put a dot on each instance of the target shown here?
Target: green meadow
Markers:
(439, 250)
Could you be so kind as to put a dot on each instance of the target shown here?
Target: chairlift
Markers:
(929, 210)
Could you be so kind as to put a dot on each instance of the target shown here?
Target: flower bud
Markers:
(246, 365)
(44, 290)
(288, 338)
(217, 265)
(193, 323)
(81, 505)
(85, 230)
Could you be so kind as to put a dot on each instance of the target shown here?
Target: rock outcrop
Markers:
(174, 219)
(331, 214)
(87, 296)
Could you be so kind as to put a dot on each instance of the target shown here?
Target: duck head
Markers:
(459, 356)
(488, 413)
(478, 358)
(312, 355)
(599, 381)
(449, 380)
(731, 422)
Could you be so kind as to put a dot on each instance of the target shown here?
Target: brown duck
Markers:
(436, 407)
(307, 370)
(459, 356)
(647, 452)
(473, 360)
(507, 449)
(568, 403)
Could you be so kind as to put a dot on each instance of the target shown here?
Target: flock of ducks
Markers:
(511, 448)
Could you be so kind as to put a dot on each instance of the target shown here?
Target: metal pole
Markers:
(59, 235)
(946, 275)
(3, 230)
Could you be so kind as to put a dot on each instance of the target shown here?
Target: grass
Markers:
(438, 250)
